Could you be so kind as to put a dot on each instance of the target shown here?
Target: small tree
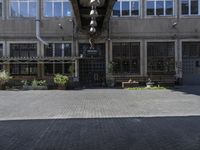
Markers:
(61, 80)
(4, 78)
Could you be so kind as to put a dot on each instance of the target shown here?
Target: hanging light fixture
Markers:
(93, 23)
(92, 30)
(93, 13)
(94, 3)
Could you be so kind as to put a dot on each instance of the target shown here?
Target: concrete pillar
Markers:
(145, 57)
(107, 55)
(142, 58)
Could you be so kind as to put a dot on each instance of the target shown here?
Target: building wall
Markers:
(141, 28)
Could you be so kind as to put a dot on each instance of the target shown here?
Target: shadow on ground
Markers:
(158, 133)
(195, 90)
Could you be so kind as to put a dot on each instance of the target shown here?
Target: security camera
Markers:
(60, 25)
(174, 24)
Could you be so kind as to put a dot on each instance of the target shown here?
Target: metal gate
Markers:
(92, 69)
(191, 63)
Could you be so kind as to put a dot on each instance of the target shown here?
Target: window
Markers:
(159, 7)
(1, 8)
(126, 8)
(57, 8)
(190, 7)
(57, 67)
(58, 50)
(126, 58)
(161, 58)
(23, 69)
(22, 8)
(1, 50)
(191, 49)
(116, 9)
(23, 50)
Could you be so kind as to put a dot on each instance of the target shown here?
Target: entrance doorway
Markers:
(92, 69)
(191, 63)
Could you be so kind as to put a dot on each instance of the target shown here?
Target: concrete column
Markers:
(180, 59)
(107, 55)
(76, 68)
(141, 58)
(145, 57)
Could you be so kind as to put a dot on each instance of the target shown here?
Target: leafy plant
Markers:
(42, 83)
(61, 79)
(4, 77)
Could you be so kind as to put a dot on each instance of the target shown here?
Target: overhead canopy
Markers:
(82, 10)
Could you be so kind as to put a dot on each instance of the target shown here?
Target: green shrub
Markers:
(61, 79)
(4, 78)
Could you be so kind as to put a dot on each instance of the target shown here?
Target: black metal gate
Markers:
(92, 65)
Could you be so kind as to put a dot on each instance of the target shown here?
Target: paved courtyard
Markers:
(100, 119)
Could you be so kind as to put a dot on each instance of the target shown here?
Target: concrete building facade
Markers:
(157, 39)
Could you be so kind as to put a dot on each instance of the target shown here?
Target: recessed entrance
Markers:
(92, 65)
(191, 63)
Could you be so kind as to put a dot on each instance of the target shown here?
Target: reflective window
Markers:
(134, 8)
(58, 50)
(150, 7)
(126, 58)
(23, 50)
(116, 9)
(169, 7)
(22, 8)
(190, 7)
(57, 67)
(1, 8)
(23, 69)
(159, 7)
(161, 58)
(1, 50)
(126, 8)
(194, 7)
(57, 8)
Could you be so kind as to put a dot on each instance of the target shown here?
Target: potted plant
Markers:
(4, 78)
(35, 85)
(150, 84)
(61, 81)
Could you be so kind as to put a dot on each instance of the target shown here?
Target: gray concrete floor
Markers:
(100, 119)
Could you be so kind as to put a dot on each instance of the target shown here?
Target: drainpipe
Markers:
(38, 23)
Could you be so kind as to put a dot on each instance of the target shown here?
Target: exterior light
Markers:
(94, 3)
(92, 30)
(93, 13)
(93, 23)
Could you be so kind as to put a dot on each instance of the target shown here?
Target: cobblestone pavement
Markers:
(100, 119)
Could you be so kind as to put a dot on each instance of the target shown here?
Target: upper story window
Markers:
(23, 50)
(57, 8)
(1, 49)
(126, 8)
(159, 7)
(190, 7)
(1, 8)
(57, 50)
(23, 8)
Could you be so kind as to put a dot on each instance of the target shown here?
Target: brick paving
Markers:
(100, 119)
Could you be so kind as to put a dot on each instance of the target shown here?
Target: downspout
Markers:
(37, 21)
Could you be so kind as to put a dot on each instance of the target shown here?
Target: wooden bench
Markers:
(130, 84)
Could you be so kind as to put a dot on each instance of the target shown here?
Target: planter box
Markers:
(130, 84)
(26, 87)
